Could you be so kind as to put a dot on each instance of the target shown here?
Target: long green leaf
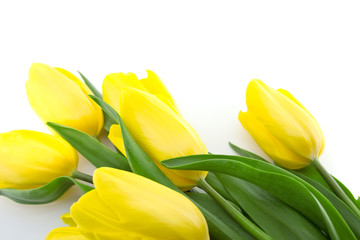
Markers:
(278, 182)
(277, 219)
(44, 194)
(352, 220)
(347, 192)
(90, 85)
(308, 171)
(312, 176)
(221, 225)
(312, 173)
(214, 182)
(92, 149)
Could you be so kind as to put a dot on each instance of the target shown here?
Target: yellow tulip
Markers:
(153, 119)
(57, 95)
(281, 126)
(30, 159)
(128, 206)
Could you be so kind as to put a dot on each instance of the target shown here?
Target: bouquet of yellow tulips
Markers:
(160, 182)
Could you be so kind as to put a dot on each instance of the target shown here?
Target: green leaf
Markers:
(312, 176)
(221, 225)
(352, 220)
(308, 171)
(285, 186)
(347, 192)
(106, 108)
(93, 150)
(44, 194)
(312, 173)
(244, 153)
(214, 182)
(139, 161)
(108, 121)
(277, 219)
(90, 85)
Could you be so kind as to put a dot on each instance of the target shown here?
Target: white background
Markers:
(205, 52)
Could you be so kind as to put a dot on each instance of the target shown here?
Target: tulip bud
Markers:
(281, 126)
(128, 206)
(30, 159)
(154, 121)
(57, 95)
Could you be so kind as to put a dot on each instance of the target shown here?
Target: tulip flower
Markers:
(282, 127)
(124, 205)
(57, 95)
(30, 159)
(154, 121)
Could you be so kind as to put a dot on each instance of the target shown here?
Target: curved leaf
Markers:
(278, 219)
(92, 149)
(352, 220)
(214, 182)
(221, 225)
(44, 194)
(278, 182)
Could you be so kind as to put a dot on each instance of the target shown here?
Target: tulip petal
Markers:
(115, 137)
(65, 233)
(112, 85)
(56, 98)
(148, 208)
(94, 219)
(67, 219)
(269, 144)
(31, 159)
(284, 119)
(161, 133)
(75, 79)
(155, 86)
(292, 98)
(86, 90)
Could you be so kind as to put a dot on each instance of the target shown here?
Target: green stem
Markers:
(82, 176)
(335, 186)
(232, 211)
